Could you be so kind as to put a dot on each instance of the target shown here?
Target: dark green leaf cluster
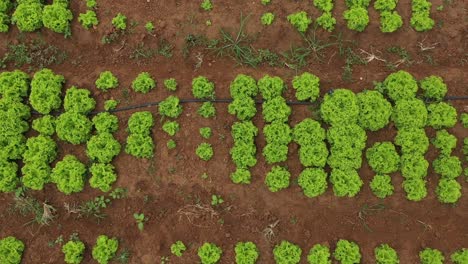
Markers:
(448, 167)
(170, 84)
(243, 108)
(102, 176)
(384, 254)
(448, 191)
(102, 147)
(244, 150)
(357, 18)
(313, 182)
(374, 110)
(13, 114)
(434, 88)
(383, 158)
(300, 21)
(202, 88)
(287, 253)
(106, 80)
(390, 21)
(4, 22)
(69, 175)
(277, 137)
(12, 147)
(209, 253)
(346, 182)
(381, 186)
(271, 87)
(204, 151)
(79, 101)
(45, 125)
(243, 86)
(319, 254)
(276, 109)
(207, 110)
(400, 85)
(241, 176)
(346, 145)
(347, 252)
(464, 120)
(357, 3)
(307, 87)
(412, 141)
(139, 142)
(46, 90)
(324, 5)
(105, 249)
(441, 115)
(8, 176)
(460, 256)
(445, 142)
(415, 189)
(385, 5)
(110, 104)
(143, 83)
(246, 253)
(420, 17)
(414, 166)
(88, 19)
(11, 250)
(171, 127)
(170, 107)
(327, 21)
(57, 17)
(431, 256)
(410, 113)
(339, 107)
(105, 122)
(277, 179)
(205, 132)
(36, 174)
(74, 251)
(28, 16)
(73, 127)
(14, 84)
(141, 123)
(40, 148)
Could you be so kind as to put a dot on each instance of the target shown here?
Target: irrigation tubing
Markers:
(224, 100)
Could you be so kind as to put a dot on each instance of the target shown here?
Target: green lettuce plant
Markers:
(88, 19)
(327, 21)
(243, 86)
(441, 115)
(8, 176)
(243, 108)
(346, 182)
(11, 250)
(140, 146)
(171, 127)
(206, 5)
(14, 84)
(381, 186)
(45, 125)
(276, 109)
(69, 175)
(241, 176)
(374, 110)
(307, 87)
(170, 84)
(412, 141)
(383, 158)
(410, 113)
(421, 21)
(40, 148)
(78, 101)
(207, 110)
(104, 249)
(105, 122)
(384, 254)
(448, 167)
(171, 144)
(170, 107)
(103, 176)
(314, 155)
(12, 147)
(324, 5)
(434, 88)
(74, 251)
(313, 182)
(347, 252)
(307, 132)
(102, 147)
(106, 81)
(415, 189)
(271, 87)
(204, 151)
(36, 174)
(431, 256)
(46, 90)
(244, 149)
(390, 21)
(385, 5)
(277, 179)
(342, 136)
(28, 16)
(460, 256)
(202, 88)
(141, 123)
(57, 17)
(119, 22)
(448, 191)
(205, 132)
(357, 3)
(319, 254)
(178, 248)
(340, 107)
(414, 166)
(267, 19)
(209, 253)
(4, 22)
(287, 252)
(400, 85)
(445, 142)
(464, 120)
(143, 83)
(357, 18)
(110, 104)
(246, 253)
(300, 21)
(73, 127)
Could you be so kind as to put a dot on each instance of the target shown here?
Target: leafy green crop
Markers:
(314, 155)
(385, 5)
(342, 136)
(287, 253)
(357, 18)
(12, 147)
(300, 21)
(431, 256)
(381, 186)
(460, 256)
(410, 113)
(206, 5)
(140, 146)
(448, 191)
(307, 87)
(11, 250)
(340, 107)
(57, 18)
(374, 110)
(307, 132)
(464, 120)
(246, 253)
(445, 142)
(88, 19)
(209, 253)
(8, 176)
(243, 86)
(178, 248)
(74, 251)
(105, 249)
(327, 21)
(420, 18)
(36, 174)
(384, 254)
(119, 22)
(103, 176)
(28, 17)
(4, 22)
(102, 147)
(69, 175)
(383, 158)
(319, 254)
(415, 189)
(171, 144)
(244, 149)
(448, 167)
(441, 115)
(45, 125)
(243, 108)
(313, 182)
(46, 90)
(205, 132)
(277, 179)
(347, 252)
(324, 5)
(434, 88)
(105, 123)
(73, 127)
(171, 127)
(202, 88)
(346, 182)
(14, 84)
(241, 176)
(267, 19)
(412, 141)
(5, 6)
(110, 104)
(143, 83)
(141, 123)
(106, 81)
(204, 151)
(79, 101)
(271, 87)
(390, 21)
(357, 3)
(170, 84)
(400, 85)
(40, 148)
(276, 109)
(277, 136)
(207, 110)
(414, 166)
(170, 107)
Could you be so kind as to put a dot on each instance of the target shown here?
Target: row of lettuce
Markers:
(348, 116)
(345, 252)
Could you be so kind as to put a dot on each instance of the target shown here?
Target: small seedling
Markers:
(140, 220)
(216, 200)
(149, 27)
(206, 5)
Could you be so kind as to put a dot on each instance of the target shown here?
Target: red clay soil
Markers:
(164, 187)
